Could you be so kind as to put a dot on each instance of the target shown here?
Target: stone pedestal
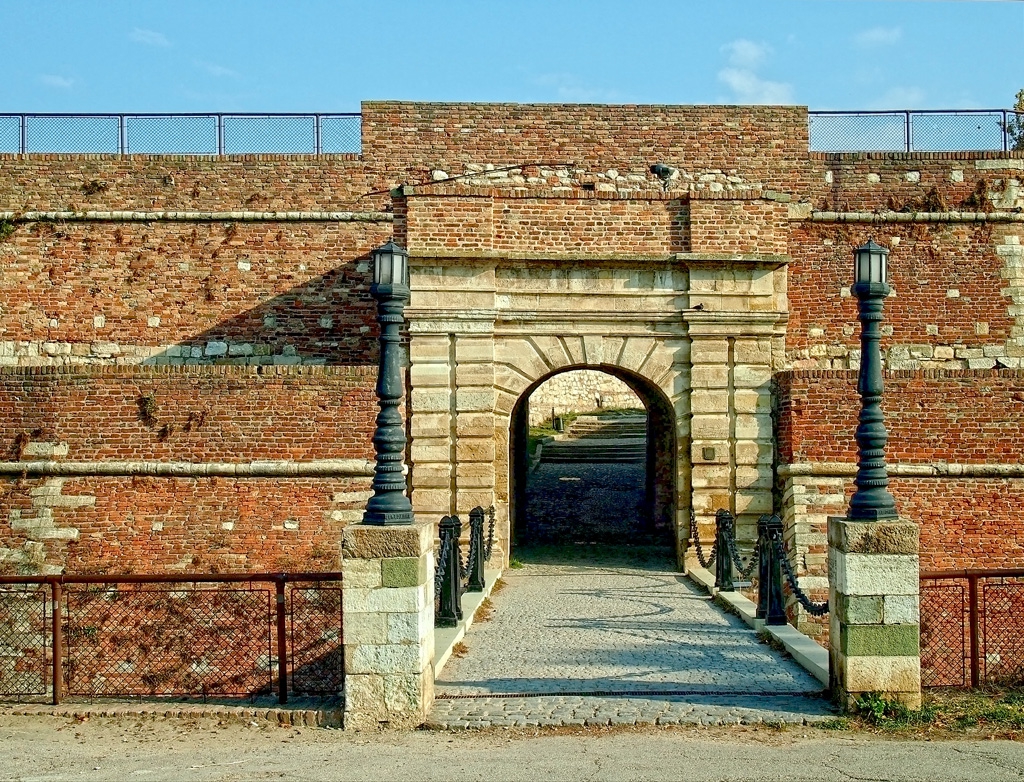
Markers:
(875, 617)
(388, 624)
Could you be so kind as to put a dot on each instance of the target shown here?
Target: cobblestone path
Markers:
(585, 502)
(584, 635)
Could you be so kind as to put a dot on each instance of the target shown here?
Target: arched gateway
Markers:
(657, 510)
(501, 302)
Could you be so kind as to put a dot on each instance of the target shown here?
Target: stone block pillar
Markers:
(388, 575)
(874, 575)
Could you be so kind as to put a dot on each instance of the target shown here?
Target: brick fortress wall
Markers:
(121, 424)
(955, 448)
(262, 261)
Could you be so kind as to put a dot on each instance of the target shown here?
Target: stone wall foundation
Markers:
(389, 625)
(875, 616)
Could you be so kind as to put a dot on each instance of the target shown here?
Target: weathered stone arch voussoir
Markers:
(522, 363)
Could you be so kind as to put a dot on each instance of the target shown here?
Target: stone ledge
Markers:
(361, 541)
(904, 470)
(898, 536)
(241, 216)
(445, 638)
(324, 468)
(810, 655)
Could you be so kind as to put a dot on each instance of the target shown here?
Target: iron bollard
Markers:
(476, 550)
(449, 612)
(771, 604)
(723, 563)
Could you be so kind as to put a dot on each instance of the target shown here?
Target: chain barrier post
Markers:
(476, 550)
(449, 613)
(775, 602)
(764, 566)
(723, 564)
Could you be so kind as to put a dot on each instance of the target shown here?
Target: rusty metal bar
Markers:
(164, 578)
(975, 639)
(282, 642)
(979, 572)
(57, 645)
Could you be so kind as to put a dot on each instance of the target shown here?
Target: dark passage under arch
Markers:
(549, 511)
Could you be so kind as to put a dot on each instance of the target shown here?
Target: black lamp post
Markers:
(872, 500)
(389, 504)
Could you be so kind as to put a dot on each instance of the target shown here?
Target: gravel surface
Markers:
(590, 635)
(54, 749)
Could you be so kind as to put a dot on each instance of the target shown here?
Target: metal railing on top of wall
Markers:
(938, 130)
(318, 133)
(181, 134)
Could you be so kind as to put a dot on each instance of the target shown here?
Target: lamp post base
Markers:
(387, 519)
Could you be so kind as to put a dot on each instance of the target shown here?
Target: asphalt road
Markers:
(125, 748)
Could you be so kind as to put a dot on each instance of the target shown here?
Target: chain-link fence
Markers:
(181, 134)
(971, 627)
(916, 131)
(164, 635)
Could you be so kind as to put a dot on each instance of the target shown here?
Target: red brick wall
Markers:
(965, 522)
(926, 261)
(225, 414)
(851, 190)
(971, 417)
(151, 525)
(738, 226)
(211, 414)
(182, 182)
(587, 222)
(204, 281)
(960, 417)
(762, 144)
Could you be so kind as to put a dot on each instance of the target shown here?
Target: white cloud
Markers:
(744, 57)
(60, 82)
(746, 54)
(568, 87)
(748, 87)
(879, 36)
(148, 37)
(215, 70)
(900, 98)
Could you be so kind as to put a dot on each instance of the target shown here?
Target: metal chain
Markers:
(473, 534)
(704, 563)
(442, 558)
(489, 546)
(744, 571)
(470, 560)
(814, 609)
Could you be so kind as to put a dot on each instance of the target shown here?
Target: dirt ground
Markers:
(44, 747)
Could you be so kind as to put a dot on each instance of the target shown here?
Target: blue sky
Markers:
(304, 55)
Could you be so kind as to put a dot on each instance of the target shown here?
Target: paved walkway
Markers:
(583, 502)
(581, 635)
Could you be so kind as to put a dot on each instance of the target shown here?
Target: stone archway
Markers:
(660, 494)
(509, 288)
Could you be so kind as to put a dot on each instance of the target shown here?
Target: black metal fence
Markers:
(236, 635)
(972, 627)
(455, 574)
(182, 134)
(916, 131)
